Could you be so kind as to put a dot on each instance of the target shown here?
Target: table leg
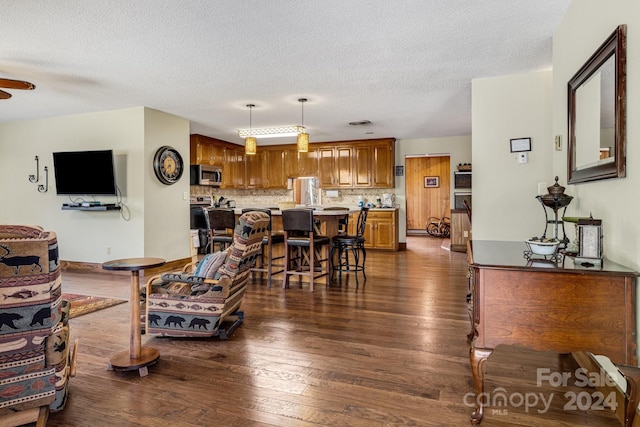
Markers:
(136, 357)
(478, 357)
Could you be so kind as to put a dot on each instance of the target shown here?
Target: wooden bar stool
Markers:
(299, 236)
(354, 244)
(265, 263)
(220, 223)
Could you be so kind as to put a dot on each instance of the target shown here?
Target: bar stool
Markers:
(265, 263)
(220, 223)
(299, 236)
(351, 243)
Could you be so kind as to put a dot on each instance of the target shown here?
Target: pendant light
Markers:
(303, 136)
(250, 143)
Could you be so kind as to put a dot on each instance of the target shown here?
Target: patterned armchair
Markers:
(195, 301)
(34, 331)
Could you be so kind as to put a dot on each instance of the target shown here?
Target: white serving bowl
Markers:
(542, 248)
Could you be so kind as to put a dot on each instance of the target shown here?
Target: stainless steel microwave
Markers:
(206, 175)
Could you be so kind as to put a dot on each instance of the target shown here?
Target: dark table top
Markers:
(133, 264)
(510, 254)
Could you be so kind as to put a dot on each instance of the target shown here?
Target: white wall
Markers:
(166, 207)
(585, 26)
(457, 147)
(85, 236)
(504, 190)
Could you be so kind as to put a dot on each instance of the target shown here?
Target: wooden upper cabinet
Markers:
(327, 169)
(233, 171)
(255, 170)
(206, 151)
(275, 175)
(344, 164)
(341, 164)
(382, 167)
(357, 164)
(308, 163)
(363, 162)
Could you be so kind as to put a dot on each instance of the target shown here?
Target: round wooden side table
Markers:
(137, 357)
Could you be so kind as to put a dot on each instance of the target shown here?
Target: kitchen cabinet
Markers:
(206, 151)
(381, 230)
(275, 176)
(233, 172)
(460, 230)
(301, 164)
(363, 162)
(339, 165)
(327, 169)
(382, 165)
(255, 170)
(336, 166)
(357, 164)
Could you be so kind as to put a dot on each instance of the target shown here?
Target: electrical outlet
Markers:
(108, 250)
(465, 233)
(542, 188)
(184, 195)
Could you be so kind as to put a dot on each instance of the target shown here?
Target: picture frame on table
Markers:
(431, 181)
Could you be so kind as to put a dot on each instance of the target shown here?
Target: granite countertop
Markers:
(324, 210)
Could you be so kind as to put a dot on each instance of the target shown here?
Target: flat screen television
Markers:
(85, 173)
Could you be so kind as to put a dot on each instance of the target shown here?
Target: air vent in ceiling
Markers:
(361, 123)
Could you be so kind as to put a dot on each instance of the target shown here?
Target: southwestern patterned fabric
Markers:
(30, 313)
(197, 309)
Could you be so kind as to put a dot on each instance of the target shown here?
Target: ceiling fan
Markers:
(13, 84)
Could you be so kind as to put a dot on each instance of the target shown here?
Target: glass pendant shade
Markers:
(250, 145)
(303, 136)
(303, 142)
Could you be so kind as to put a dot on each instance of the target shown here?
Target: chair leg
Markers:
(364, 260)
(285, 279)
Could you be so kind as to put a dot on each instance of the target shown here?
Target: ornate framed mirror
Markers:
(597, 110)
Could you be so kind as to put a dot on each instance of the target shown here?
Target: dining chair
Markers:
(354, 244)
(220, 223)
(268, 261)
(303, 248)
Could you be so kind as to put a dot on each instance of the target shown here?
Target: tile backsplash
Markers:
(270, 198)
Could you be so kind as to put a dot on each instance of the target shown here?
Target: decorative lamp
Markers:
(590, 241)
(250, 143)
(303, 137)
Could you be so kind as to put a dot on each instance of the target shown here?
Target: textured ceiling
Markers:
(404, 65)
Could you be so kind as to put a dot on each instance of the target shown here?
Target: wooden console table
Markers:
(551, 306)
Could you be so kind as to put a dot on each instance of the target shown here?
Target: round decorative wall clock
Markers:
(168, 165)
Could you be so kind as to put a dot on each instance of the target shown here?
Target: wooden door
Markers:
(424, 200)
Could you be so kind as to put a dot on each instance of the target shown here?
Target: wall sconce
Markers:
(35, 178)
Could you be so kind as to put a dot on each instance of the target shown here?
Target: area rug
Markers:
(83, 304)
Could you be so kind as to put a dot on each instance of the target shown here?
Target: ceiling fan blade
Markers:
(4, 95)
(16, 84)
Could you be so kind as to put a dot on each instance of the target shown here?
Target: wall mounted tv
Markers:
(85, 173)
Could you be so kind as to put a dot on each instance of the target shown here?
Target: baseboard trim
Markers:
(91, 267)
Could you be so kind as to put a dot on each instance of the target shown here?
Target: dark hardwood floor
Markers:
(392, 352)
